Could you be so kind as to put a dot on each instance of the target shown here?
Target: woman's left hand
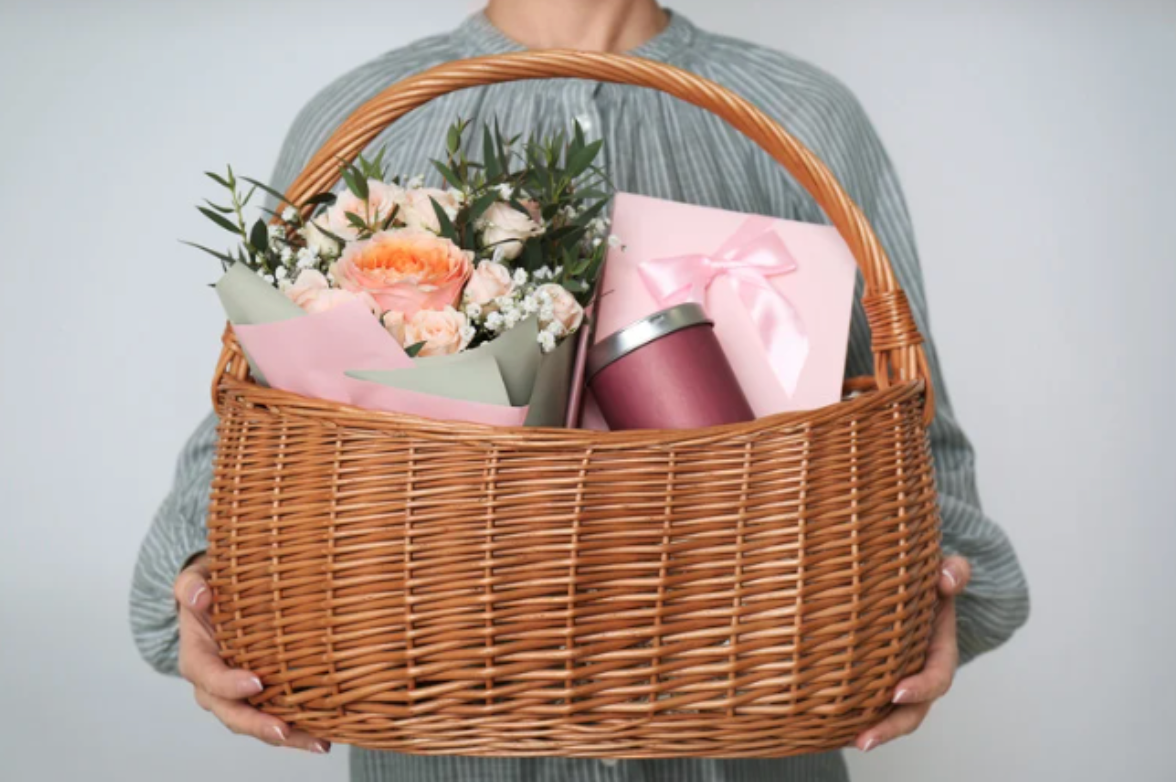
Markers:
(917, 693)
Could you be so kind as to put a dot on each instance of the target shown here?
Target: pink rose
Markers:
(417, 210)
(443, 331)
(314, 294)
(405, 269)
(394, 323)
(489, 281)
(382, 199)
(506, 229)
(565, 310)
(532, 207)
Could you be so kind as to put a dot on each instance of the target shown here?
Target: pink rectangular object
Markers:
(818, 287)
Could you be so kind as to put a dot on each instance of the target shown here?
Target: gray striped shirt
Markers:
(658, 146)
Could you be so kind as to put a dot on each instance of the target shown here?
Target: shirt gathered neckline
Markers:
(478, 36)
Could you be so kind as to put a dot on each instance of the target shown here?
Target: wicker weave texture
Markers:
(751, 590)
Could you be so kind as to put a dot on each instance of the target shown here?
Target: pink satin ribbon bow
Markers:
(749, 257)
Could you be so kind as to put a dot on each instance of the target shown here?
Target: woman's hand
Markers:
(917, 693)
(219, 688)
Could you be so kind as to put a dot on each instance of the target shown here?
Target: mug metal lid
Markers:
(642, 332)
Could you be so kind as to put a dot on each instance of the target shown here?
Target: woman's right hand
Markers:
(220, 689)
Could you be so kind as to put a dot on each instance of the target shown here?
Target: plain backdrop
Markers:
(1037, 144)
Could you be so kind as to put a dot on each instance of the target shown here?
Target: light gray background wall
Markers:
(1037, 142)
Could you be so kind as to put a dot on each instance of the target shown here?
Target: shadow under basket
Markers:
(751, 590)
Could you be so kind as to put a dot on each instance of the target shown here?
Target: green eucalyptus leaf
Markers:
(213, 253)
(391, 217)
(532, 255)
(355, 182)
(259, 236)
(225, 210)
(355, 220)
(450, 177)
(447, 229)
(490, 155)
(482, 203)
(330, 235)
(320, 199)
(578, 163)
(503, 152)
(589, 214)
(220, 180)
(267, 189)
(222, 222)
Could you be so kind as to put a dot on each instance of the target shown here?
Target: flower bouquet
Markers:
(484, 279)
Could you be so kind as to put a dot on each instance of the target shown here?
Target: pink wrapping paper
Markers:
(373, 396)
(309, 356)
(818, 287)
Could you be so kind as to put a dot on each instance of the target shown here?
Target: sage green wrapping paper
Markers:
(478, 378)
(517, 353)
(553, 385)
(249, 300)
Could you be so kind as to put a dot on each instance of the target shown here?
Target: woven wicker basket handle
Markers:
(896, 342)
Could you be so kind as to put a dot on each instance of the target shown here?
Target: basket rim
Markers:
(292, 405)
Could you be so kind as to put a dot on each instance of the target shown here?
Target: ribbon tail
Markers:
(780, 330)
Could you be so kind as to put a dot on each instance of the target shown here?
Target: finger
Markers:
(902, 721)
(248, 721)
(954, 575)
(191, 587)
(201, 665)
(943, 658)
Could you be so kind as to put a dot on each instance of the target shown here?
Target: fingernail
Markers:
(196, 595)
(951, 577)
(281, 733)
(251, 686)
(904, 696)
(869, 745)
(319, 748)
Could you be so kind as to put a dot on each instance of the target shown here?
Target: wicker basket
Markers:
(751, 590)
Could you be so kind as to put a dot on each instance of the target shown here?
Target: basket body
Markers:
(750, 590)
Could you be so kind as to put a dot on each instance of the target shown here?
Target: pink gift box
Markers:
(780, 293)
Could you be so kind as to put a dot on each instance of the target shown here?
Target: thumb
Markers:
(191, 586)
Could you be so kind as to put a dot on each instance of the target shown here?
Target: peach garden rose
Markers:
(489, 281)
(314, 294)
(382, 199)
(443, 331)
(506, 229)
(416, 210)
(564, 309)
(405, 269)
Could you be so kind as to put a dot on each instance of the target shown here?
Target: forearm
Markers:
(176, 535)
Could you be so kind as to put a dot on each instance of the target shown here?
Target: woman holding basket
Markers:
(664, 148)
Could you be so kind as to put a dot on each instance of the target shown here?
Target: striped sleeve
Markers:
(831, 122)
(176, 535)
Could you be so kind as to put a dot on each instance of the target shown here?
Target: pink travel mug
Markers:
(666, 371)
